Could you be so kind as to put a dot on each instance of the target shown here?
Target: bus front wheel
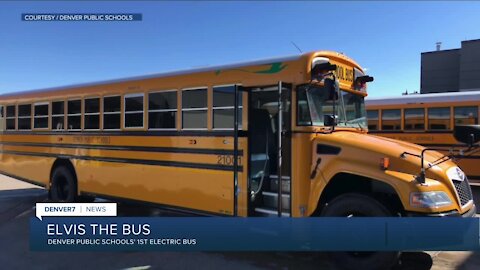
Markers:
(63, 186)
(359, 205)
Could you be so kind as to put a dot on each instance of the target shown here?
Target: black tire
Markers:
(64, 186)
(353, 204)
(86, 198)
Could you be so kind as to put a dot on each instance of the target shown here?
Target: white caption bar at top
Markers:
(76, 210)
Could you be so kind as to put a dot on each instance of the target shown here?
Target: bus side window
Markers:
(91, 116)
(2, 122)
(372, 116)
(466, 115)
(391, 119)
(223, 107)
(10, 117)
(162, 109)
(40, 115)
(74, 121)
(25, 117)
(414, 119)
(58, 115)
(133, 113)
(194, 108)
(439, 118)
(111, 112)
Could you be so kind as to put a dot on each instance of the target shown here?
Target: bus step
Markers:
(270, 212)
(270, 199)
(285, 183)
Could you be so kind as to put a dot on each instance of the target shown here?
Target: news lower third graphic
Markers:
(95, 226)
(79, 17)
(75, 209)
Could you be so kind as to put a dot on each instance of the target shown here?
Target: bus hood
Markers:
(361, 147)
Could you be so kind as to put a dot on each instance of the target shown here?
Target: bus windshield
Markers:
(316, 102)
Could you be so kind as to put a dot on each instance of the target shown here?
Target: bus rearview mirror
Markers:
(468, 134)
(329, 120)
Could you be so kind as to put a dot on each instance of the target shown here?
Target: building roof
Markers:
(425, 98)
(441, 51)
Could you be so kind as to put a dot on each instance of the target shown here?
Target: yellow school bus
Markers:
(428, 120)
(276, 137)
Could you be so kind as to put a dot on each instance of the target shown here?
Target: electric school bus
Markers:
(282, 137)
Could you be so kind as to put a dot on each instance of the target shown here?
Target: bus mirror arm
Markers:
(472, 149)
(403, 155)
(457, 154)
(421, 176)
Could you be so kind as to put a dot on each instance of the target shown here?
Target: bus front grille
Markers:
(463, 190)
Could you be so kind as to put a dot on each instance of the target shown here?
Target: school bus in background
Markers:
(248, 139)
(428, 120)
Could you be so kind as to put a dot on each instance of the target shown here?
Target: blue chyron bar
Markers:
(253, 234)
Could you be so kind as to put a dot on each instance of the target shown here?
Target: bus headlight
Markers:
(431, 199)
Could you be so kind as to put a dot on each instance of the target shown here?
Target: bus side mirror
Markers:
(331, 88)
(329, 120)
(468, 134)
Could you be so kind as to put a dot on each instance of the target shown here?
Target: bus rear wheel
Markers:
(359, 205)
(63, 186)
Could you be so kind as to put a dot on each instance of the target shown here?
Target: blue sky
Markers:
(384, 37)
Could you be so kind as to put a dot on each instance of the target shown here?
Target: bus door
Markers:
(269, 152)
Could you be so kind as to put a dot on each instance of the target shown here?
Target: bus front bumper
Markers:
(469, 213)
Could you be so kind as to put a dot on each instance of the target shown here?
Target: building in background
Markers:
(451, 70)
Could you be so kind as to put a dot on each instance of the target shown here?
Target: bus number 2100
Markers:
(228, 160)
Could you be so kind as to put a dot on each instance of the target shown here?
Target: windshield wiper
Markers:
(354, 122)
(360, 126)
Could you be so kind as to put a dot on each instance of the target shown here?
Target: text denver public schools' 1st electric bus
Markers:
(228, 140)
(428, 120)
